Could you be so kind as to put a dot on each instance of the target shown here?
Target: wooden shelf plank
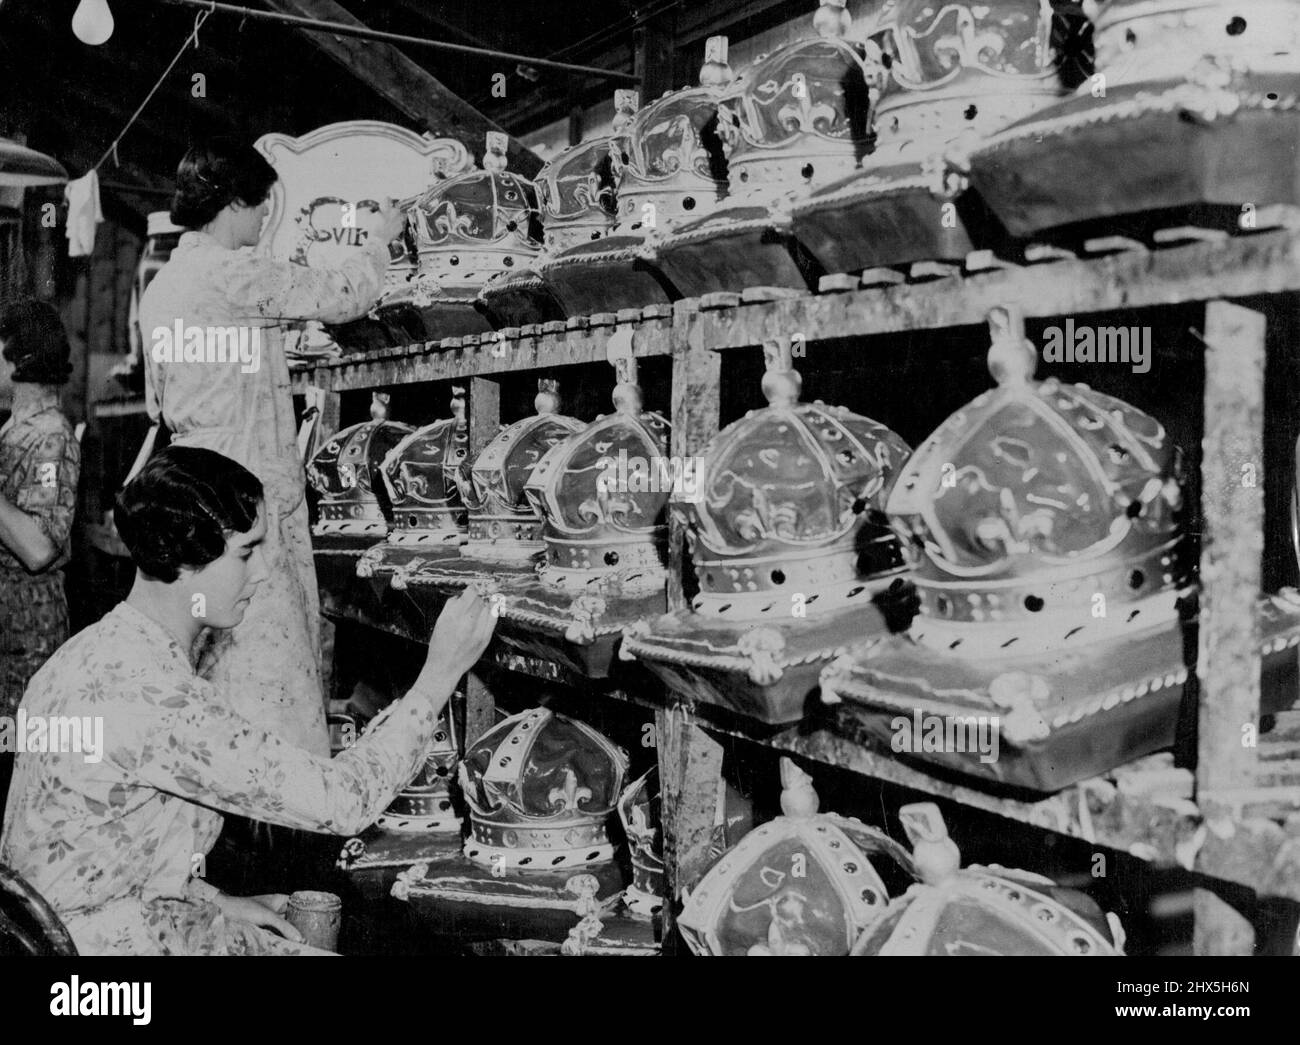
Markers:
(419, 363)
(1240, 266)
(1268, 263)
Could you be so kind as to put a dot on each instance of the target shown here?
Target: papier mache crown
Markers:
(805, 883)
(1031, 502)
(578, 198)
(540, 789)
(955, 72)
(802, 115)
(601, 494)
(639, 810)
(668, 160)
(787, 495)
(983, 910)
(1151, 40)
(799, 118)
(1183, 89)
(468, 228)
(345, 472)
(503, 524)
(420, 475)
(425, 804)
(669, 165)
(1044, 526)
(578, 190)
(789, 547)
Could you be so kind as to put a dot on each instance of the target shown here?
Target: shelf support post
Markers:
(696, 377)
(1232, 546)
(690, 787)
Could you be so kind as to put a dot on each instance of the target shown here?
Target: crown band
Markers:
(571, 844)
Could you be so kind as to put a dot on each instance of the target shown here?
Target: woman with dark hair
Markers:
(39, 466)
(115, 838)
(214, 293)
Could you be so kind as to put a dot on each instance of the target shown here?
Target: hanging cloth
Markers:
(84, 214)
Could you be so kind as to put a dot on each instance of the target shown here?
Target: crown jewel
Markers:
(1033, 500)
(344, 472)
(420, 475)
(540, 788)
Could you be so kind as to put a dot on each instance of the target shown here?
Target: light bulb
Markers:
(92, 23)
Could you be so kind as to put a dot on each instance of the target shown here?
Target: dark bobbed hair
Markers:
(215, 174)
(35, 342)
(180, 507)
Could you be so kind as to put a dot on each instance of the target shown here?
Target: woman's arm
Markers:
(281, 290)
(23, 536)
(198, 748)
(284, 291)
(34, 525)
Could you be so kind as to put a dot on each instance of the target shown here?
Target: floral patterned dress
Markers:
(40, 462)
(114, 845)
(269, 664)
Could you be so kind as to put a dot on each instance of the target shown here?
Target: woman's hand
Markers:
(461, 634)
(391, 222)
(263, 911)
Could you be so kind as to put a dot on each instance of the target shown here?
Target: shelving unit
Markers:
(1237, 819)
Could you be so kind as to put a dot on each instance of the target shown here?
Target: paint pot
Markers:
(317, 916)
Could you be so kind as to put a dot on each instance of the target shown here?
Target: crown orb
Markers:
(782, 386)
(1012, 360)
(832, 18)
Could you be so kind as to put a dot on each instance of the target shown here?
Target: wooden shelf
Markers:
(1235, 267)
(1243, 826)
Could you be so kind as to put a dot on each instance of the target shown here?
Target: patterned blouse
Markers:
(117, 845)
(40, 463)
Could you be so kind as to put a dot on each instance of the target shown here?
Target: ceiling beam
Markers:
(506, 35)
(697, 22)
(403, 83)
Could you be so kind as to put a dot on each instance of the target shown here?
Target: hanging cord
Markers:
(193, 39)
